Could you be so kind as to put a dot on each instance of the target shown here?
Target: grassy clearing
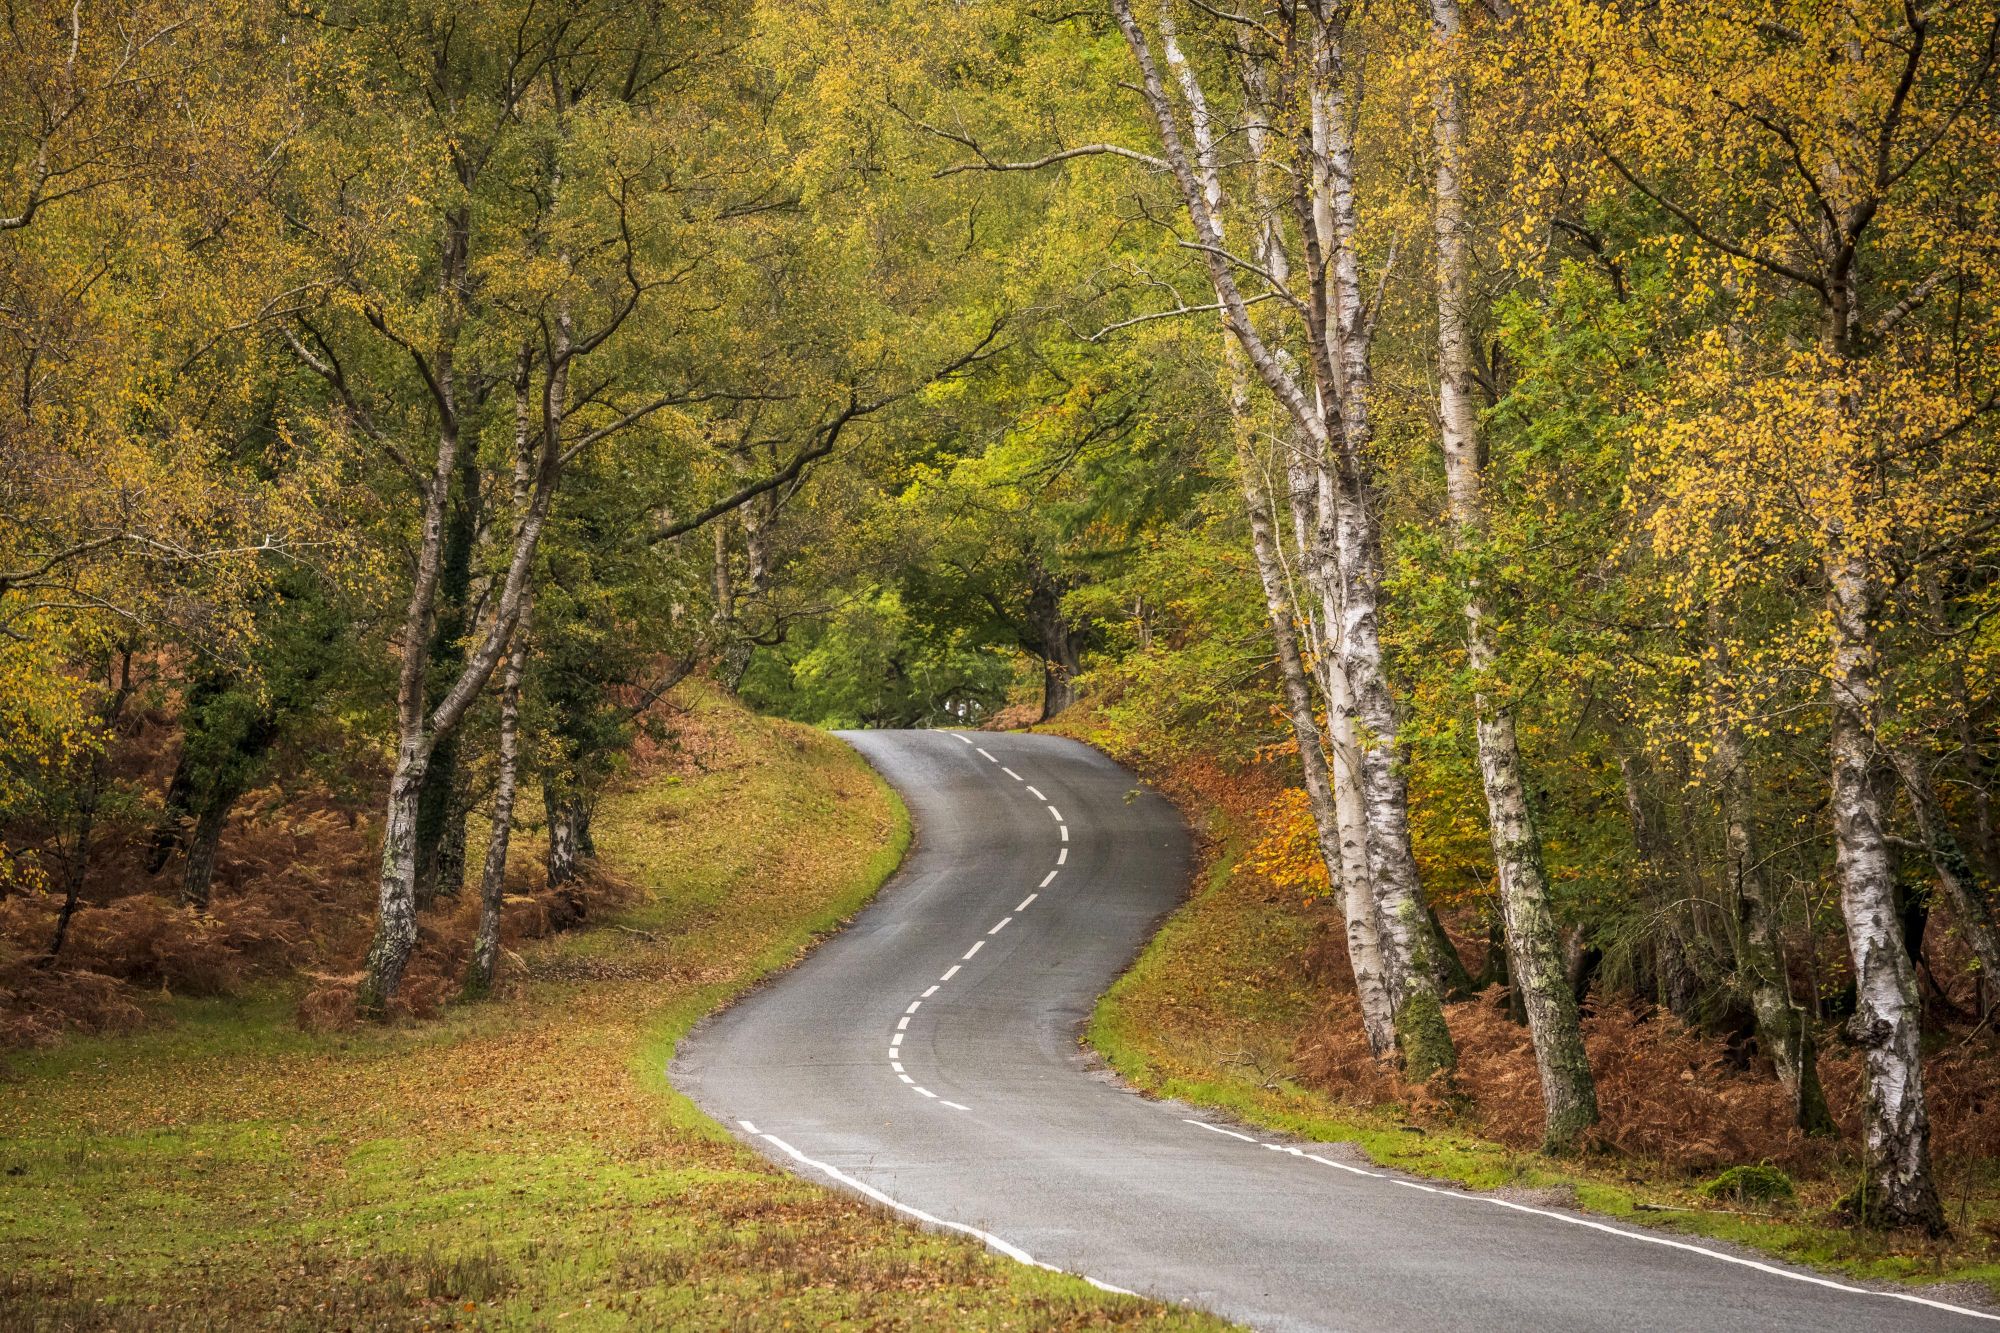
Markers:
(514, 1164)
(1212, 1012)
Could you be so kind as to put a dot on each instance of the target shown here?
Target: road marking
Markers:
(1106, 1286)
(747, 1125)
(955, 736)
(949, 973)
(953, 1105)
(1065, 832)
(1013, 1252)
(1011, 773)
(1062, 856)
(928, 1093)
(973, 950)
(1002, 926)
(902, 1022)
(1342, 1166)
(896, 1065)
(907, 1079)
(914, 1006)
(1218, 1129)
(1025, 901)
(1047, 880)
(896, 1040)
(983, 750)
(932, 991)
(1036, 792)
(1057, 813)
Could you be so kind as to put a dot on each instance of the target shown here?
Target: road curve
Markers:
(927, 1057)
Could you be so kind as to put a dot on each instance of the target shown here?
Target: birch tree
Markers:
(1536, 970)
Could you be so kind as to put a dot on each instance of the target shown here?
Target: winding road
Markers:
(927, 1057)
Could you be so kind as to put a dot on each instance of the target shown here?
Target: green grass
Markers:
(1211, 1012)
(516, 1163)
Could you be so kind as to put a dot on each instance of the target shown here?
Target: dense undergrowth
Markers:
(1243, 1003)
(516, 1163)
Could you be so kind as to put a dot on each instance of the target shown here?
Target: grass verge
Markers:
(517, 1163)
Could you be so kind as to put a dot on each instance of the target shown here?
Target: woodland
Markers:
(1546, 451)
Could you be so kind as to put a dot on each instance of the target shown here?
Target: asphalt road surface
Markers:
(927, 1057)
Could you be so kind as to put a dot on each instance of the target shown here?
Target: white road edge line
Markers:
(1002, 926)
(1047, 880)
(1609, 1230)
(1218, 1129)
(1023, 906)
(747, 1125)
(1014, 1252)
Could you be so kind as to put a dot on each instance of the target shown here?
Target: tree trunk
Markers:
(1569, 1094)
(1898, 1189)
(479, 968)
(1954, 872)
(1784, 1029)
(1332, 790)
(203, 841)
(440, 812)
(1055, 640)
(1336, 818)
(569, 856)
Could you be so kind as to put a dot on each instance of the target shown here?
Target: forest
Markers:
(1537, 462)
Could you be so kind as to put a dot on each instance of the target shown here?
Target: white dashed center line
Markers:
(1010, 773)
(1036, 792)
(1062, 856)
(1002, 926)
(983, 750)
(1057, 813)
(1047, 880)
(1025, 901)
(977, 945)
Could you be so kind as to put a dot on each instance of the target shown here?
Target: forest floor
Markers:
(517, 1163)
(1230, 1007)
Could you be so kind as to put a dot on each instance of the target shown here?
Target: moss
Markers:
(1760, 1184)
(1424, 1038)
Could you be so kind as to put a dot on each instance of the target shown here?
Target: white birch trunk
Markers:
(1569, 1094)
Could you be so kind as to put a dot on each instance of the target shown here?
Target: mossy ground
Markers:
(516, 1163)
(1211, 1015)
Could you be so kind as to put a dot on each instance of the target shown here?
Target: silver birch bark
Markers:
(1569, 1094)
(479, 968)
(1898, 1188)
(1332, 797)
